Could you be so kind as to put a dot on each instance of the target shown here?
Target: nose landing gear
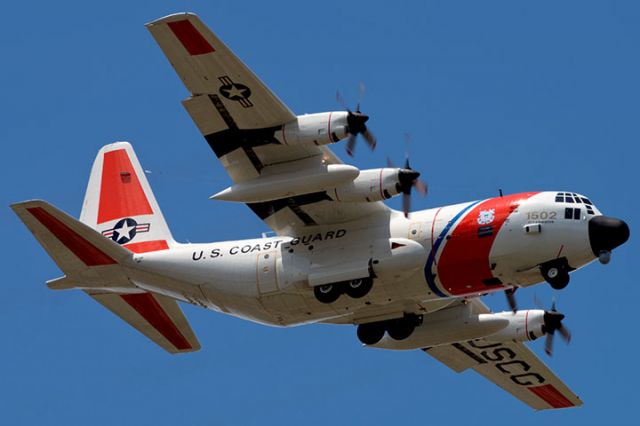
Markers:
(556, 273)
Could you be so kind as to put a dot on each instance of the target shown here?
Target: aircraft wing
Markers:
(510, 365)
(238, 116)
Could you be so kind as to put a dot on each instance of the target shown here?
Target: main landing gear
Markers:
(398, 329)
(556, 273)
(356, 289)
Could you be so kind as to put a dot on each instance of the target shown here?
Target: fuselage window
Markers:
(576, 214)
(568, 213)
(571, 213)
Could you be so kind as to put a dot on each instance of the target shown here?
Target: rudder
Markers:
(119, 202)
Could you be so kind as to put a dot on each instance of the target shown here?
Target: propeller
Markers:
(552, 323)
(356, 123)
(511, 298)
(408, 179)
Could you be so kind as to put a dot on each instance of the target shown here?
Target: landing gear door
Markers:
(266, 272)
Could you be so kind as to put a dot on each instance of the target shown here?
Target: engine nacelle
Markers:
(319, 129)
(459, 324)
(371, 185)
(523, 326)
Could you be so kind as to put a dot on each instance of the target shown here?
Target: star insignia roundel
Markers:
(124, 231)
(235, 91)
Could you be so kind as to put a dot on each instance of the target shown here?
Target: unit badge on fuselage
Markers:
(486, 216)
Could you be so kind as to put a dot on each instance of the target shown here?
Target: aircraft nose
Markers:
(607, 233)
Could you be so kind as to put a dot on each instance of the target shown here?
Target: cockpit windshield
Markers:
(573, 198)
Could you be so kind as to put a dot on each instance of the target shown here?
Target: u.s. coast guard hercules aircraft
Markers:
(341, 256)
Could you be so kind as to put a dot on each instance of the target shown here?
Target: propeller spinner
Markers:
(356, 123)
(552, 323)
(408, 179)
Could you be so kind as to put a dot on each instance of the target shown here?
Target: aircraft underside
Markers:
(340, 255)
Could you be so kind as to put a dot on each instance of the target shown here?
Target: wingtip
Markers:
(27, 203)
(169, 18)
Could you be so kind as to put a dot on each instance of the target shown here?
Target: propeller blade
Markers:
(351, 145)
(511, 298)
(552, 323)
(361, 90)
(341, 101)
(537, 302)
(565, 333)
(390, 163)
(370, 139)
(406, 204)
(420, 186)
(548, 344)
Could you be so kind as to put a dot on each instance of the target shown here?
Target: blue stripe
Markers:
(432, 255)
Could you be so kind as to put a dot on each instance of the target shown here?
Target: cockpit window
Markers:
(586, 201)
(571, 198)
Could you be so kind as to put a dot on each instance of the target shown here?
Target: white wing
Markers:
(238, 116)
(510, 365)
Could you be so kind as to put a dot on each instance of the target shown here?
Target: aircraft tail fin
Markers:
(119, 202)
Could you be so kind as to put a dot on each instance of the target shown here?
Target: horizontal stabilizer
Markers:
(157, 317)
(72, 245)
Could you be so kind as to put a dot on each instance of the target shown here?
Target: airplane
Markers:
(339, 254)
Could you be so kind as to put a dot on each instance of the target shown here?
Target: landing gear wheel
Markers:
(556, 275)
(371, 333)
(327, 293)
(400, 328)
(358, 288)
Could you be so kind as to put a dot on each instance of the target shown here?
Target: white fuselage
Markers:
(467, 249)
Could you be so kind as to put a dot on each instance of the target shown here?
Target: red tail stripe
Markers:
(147, 306)
(147, 246)
(121, 194)
(190, 38)
(551, 395)
(89, 254)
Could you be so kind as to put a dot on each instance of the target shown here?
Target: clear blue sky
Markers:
(514, 95)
